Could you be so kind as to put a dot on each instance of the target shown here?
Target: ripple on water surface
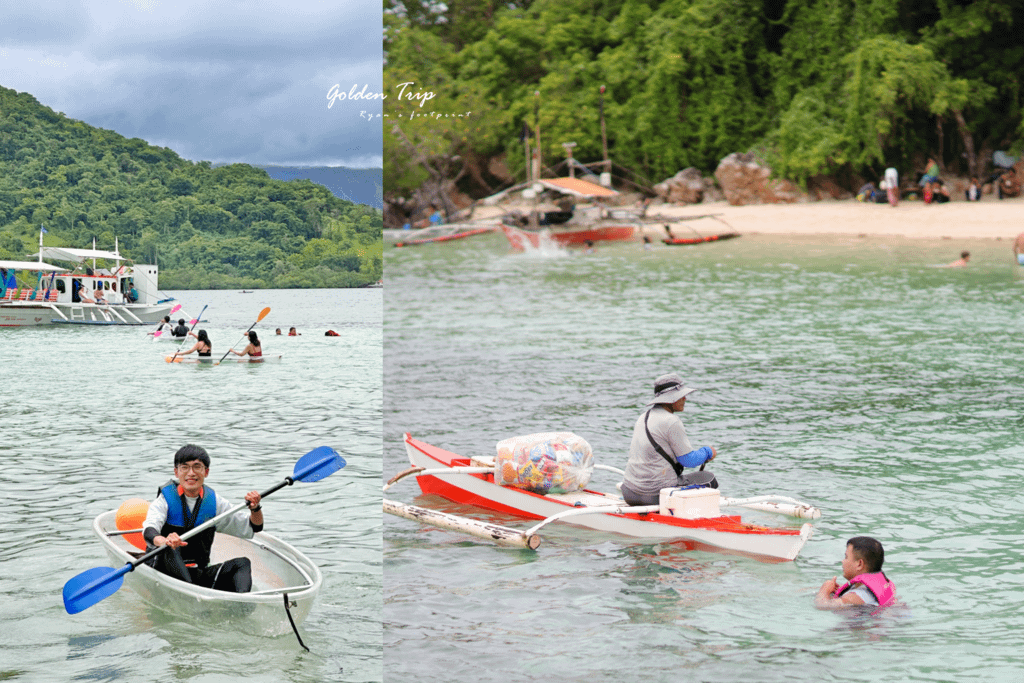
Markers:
(851, 373)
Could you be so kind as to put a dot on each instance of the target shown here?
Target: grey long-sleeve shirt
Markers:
(646, 470)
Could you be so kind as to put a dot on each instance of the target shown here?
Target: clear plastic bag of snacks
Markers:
(549, 462)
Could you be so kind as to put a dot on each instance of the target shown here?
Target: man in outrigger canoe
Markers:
(186, 503)
(660, 448)
(865, 582)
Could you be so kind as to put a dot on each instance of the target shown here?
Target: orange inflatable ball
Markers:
(132, 515)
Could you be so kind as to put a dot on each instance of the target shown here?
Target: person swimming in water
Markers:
(866, 584)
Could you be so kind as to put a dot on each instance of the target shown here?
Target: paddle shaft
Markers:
(210, 522)
(195, 322)
(263, 314)
(171, 312)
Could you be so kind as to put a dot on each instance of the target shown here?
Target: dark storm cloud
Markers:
(213, 81)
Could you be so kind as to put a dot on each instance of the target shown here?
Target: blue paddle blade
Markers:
(318, 464)
(91, 586)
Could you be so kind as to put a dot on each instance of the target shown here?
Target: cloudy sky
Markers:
(222, 81)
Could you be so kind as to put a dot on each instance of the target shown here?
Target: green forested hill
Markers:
(225, 227)
(815, 86)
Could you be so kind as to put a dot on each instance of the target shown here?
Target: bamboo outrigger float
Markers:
(690, 517)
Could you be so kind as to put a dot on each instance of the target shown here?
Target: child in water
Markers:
(865, 582)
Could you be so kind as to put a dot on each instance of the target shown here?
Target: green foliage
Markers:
(816, 84)
(205, 227)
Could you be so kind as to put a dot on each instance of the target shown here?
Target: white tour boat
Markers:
(65, 296)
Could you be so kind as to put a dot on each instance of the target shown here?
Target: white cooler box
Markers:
(690, 503)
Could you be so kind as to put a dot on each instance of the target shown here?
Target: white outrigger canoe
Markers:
(692, 518)
(54, 299)
(283, 580)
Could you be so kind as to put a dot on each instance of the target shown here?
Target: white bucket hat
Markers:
(669, 389)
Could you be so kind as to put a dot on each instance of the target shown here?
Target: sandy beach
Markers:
(991, 218)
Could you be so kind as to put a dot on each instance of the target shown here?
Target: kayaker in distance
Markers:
(865, 582)
(203, 347)
(185, 504)
(660, 448)
(253, 349)
(164, 325)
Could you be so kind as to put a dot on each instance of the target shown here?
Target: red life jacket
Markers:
(878, 583)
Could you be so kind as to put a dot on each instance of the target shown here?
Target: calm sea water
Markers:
(92, 417)
(852, 373)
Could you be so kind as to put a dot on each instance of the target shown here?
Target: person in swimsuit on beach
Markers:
(253, 349)
(1018, 249)
(202, 347)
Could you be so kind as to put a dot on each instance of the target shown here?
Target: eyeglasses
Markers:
(196, 467)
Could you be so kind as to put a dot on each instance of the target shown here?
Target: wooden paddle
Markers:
(86, 589)
(177, 307)
(263, 314)
(195, 321)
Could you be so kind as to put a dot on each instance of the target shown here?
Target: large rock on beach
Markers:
(745, 180)
(686, 187)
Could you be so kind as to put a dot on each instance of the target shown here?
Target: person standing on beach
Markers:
(1018, 248)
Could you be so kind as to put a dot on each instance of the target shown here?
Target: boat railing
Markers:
(295, 565)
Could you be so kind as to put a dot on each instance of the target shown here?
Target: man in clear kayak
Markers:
(865, 582)
(660, 448)
(184, 504)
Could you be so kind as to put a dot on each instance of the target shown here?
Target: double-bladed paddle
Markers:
(193, 323)
(177, 307)
(86, 589)
(263, 314)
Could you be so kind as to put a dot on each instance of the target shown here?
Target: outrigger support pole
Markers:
(597, 509)
(440, 470)
(502, 535)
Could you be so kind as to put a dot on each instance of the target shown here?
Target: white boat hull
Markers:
(720, 534)
(29, 313)
(277, 568)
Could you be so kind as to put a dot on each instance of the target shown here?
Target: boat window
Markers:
(61, 287)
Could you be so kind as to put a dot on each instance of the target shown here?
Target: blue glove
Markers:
(696, 458)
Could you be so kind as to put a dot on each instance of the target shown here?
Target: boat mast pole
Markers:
(604, 135)
(534, 218)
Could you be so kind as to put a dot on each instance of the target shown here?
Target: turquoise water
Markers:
(92, 417)
(852, 373)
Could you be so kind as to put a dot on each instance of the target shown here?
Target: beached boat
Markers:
(692, 518)
(570, 236)
(65, 296)
(278, 570)
(437, 233)
(441, 233)
(701, 239)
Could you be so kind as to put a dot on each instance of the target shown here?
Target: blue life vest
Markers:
(180, 520)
